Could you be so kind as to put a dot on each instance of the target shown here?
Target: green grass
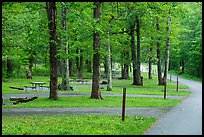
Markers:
(87, 124)
(108, 101)
(186, 76)
(117, 86)
(75, 125)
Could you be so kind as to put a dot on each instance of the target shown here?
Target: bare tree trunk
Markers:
(80, 69)
(150, 59)
(106, 66)
(133, 51)
(71, 69)
(88, 64)
(96, 93)
(160, 80)
(109, 70)
(51, 12)
(64, 46)
(138, 72)
(166, 66)
(125, 66)
(9, 67)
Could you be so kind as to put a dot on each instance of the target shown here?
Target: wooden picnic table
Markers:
(37, 84)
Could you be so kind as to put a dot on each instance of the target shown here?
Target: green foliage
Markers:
(25, 31)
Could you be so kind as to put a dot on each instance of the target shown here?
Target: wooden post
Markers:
(123, 105)
(170, 77)
(177, 84)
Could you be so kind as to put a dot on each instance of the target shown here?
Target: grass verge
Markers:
(75, 125)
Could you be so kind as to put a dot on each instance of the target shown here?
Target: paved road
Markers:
(184, 119)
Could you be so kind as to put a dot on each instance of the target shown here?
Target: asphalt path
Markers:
(185, 118)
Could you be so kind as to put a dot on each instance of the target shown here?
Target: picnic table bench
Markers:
(37, 84)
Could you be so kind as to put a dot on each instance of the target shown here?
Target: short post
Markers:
(170, 77)
(123, 105)
(164, 88)
(177, 84)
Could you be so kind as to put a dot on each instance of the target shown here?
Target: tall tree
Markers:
(51, 13)
(150, 59)
(109, 70)
(96, 93)
(64, 46)
(166, 65)
(160, 80)
(138, 72)
(133, 52)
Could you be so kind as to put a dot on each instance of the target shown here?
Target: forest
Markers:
(64, 39)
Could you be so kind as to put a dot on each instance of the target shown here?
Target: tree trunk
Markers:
(166, 65)
(96, 93)
(77, 60)
(9, 68)
(138, 72)
(160, 80)
(133, 51)
(106, 66)
(31, 61)
(150, 59)
(64, 46)
(80, 69)
(88, 64)
(125, 66)
(109, 70)
(51, 12)
(71, 69)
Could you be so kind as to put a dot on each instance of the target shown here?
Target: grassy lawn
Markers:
(87, 124)
(75, 125)
(117, 86)
(108, 101)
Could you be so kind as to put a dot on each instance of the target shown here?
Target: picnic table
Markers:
(37, 84)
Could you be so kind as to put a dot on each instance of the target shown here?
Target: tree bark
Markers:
(133, 51)
(106, 66)
(51, 12)
(96, 93)
(71, 69)
(125, 65)
(64, 46)
(160, 80)
(88, 64)
(109, 70)
(138, 72)
(9, 67)
(150, 59)
(80, 69)
(166, 65)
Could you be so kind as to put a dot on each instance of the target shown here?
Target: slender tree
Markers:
(51, 12)
(166, 65)
(150, 59)
(96, 93)
(138, 72)
(109, 70)
(64, 46)
(160, 80)
(133, 52)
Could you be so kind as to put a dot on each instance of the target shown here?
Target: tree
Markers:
(96, 94)
(64, 46)
(51, 13)
(160, 80)
(138, 72)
